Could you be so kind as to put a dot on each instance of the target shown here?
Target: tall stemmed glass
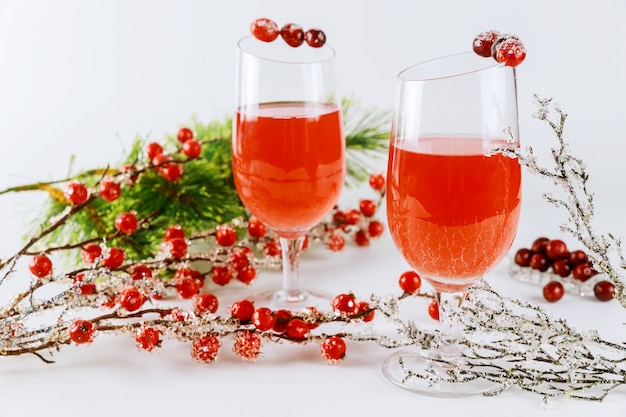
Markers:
(288, 147)
(452, 203)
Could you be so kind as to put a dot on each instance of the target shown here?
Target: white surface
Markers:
(83, 78)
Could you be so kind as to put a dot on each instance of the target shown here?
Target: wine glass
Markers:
(453, 204)
(288, 149)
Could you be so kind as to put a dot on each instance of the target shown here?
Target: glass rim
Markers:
(489, 64)
(329, 51)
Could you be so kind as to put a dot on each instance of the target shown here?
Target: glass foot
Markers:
(410, 370)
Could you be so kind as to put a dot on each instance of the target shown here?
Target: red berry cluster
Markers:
(170, 170)
(503, 47)
(267, 30)
(553, 254)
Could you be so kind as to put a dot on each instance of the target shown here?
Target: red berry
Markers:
(433, 310)
(263, 319)
(82, 331)
(375, 228)
(522, 257)
(604, 290)
(577, 257)
(539, 262)
(40, 266)
(345, 304)
(333, 349)
(76, 192)
(225, 235)
(242, 310)
(239, 258)
(153, 149)
(367, 207)
(511, 51)
(353, 217)
(126, 223)
(292, 34)
(553, 291)
(221, 275)
(184, 134)
(205, 348)
(147, 338)
(340, 218)
(192, 148)
(172, 172)
(187, 287)
(273, 248)
(130, 169)
(140, 271)
(561, 267)
(361, 238)
(109, 190)
(247, 345)
(161, 160)
(176, 248)
(410, 282)
(377, 182)
(264, 29)
(556, 249)
(315, 38)
(256, 228)
(582, 272)
(82, 287)
(113, 258)
(175, 231)
(282, 318)
(336, 242)
(205, 303)
(132, 298)
(364, 308)
(484, 41)
(90, 253)
(297, 329)
(246, 275)
(539, 245)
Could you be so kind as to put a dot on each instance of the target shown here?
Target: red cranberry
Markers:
(604, 290)
(539, 262)
(553, 291)
(522, 257)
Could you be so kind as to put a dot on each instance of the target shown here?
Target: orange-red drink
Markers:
(452, 210)
(288, 163)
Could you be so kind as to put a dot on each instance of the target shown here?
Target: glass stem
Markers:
(450, 327)
(291, 291)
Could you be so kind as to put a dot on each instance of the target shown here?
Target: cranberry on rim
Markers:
(264, 29)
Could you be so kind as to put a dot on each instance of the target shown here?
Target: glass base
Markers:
(293, 300)
(412, 371)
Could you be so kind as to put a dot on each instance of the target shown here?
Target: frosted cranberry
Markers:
(561, 267)
(140, 271)
(172, 172)
(539, 245)
(375, 228)
(82, 331)
(556, 249)
(511, 52)
(153, 149)
(132, 298)
(315, 38)
(176, 248)
(109, 190)
(377, 182)
(256, 228)
(336, 242)
(147, 338)
(345, 304)
(82, 287)
(361, 238)
(205, 348)
(172, 232)
(205, 303)
(353, 217)
(184, 134)
(582, 272)
(264, 29)
(292, 34)
(90, 253)
(410, 282)
(242, 310)
(553, 291)
(577, 257)
(76, 192)
(273, 248)
(263, 319)
(522, 257)
(333, 349)
(114, 258)
(604, 290)
(484, 41)
(247, 345)
(282, 318)
(246, 275)
(297, 329)
(187, 287)
(221, 275)
(367, 314)
(539, 262)
(126, 223)
(367, 207)
(192, 148)
(40, 266)
(225, 235)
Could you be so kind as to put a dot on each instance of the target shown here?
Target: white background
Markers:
(83, 78)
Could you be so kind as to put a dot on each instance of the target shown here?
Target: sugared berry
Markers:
(315, 38)
(361, 238)
(113, 258)
(176, 248)
(264, 29)
(242, 310)
(83, 287)
(82, 331)
(140, 271)
(205, 303)
(40, 266)
(333, 349)
(131, 298)
(225, 235)
(263, 318)
(282, 318)
(377, 182)
(292, 34)
(484, 41)
(147, 338)
(109, 190)
(272, 248)
(246, 275)
(366, 312)
(336, 242)
(511, 52)
(247, 345)
(184, 134)
(187, 287)
(126, 222)
(221, 275)
(297, 329)
(345, 304)
(604, 290)
(76, 192)
(205, 349)
(90, 253)
(256, 228)
(553, 291)
(410, 282)
(175, 231)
